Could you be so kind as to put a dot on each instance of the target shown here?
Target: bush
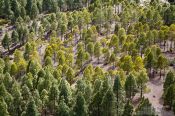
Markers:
(3, 21)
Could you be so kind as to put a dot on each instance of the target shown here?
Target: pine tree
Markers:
(161, 63)
(63, 109)
(81, 85)
(127, 64)
(119, 94)
(3, 108)
(1, 7)
(128, 110)
(7, 9)
(14, 70)
(80, 108)
(53, 97)
(90, 49)
(7, 81)
(170, 79)
(130, 86)
(150, 61)
(23, 12)
(97, 51)
(65, 91)
(95, 106)
(70, 76)
(5, 94)
(145, 109)
(15, 8)
(112, 59)
(31, 109)
(48, 61)
(15, 37)
(29, 6)
(6, 42)
(174, 107)
(142, 79)
(108, 103)
(34, 11)
(169, 95)
(17, 110)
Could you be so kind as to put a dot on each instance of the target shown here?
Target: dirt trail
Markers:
(156, 90)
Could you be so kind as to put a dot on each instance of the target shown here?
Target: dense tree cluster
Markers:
(83, 57)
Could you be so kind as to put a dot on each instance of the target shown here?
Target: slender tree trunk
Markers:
(150, 73)
(117, 102)
(114, 65)
(141, 91)
(54, 57)
(153, 73)
(160, 73)
(171, 45)
(36, 85)
(61, 37)
(118, 8)
(8, 49)
(80, 33)
(141, 53)
(164, 45)
(45, 112)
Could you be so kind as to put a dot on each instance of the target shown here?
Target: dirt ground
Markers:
(155, 96)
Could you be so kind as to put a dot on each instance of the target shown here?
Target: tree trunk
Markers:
(160, 73)
(164, 74)
(164, 45)
(80, 33)
(36, 85)
(141, 53)
(141, 92)
(117, 101)
(8, 49)
(150, 73)
(171, 45)
(87, 3)
(114, 65)
(61, 37)
(153, 73)
(118, 8)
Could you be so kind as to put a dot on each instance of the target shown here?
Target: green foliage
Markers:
(64, 51)
(80, 108)
(108, 103)
(3, 108)
(169, 95)
(130, 86)
(126, 63)
(6, 42)
(63, 109)
(128, 110)
(142, 79)
(145, 108)
(31, 109)
(170, 79)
